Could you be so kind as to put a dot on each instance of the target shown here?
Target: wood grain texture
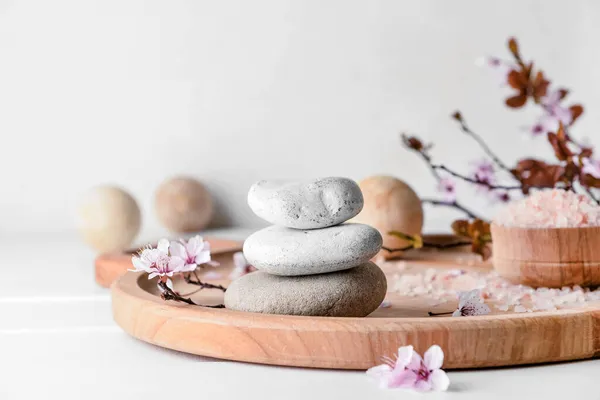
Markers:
(109, 267)
(547, 257)
(352, 343)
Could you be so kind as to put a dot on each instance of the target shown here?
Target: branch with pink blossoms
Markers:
(176, 258)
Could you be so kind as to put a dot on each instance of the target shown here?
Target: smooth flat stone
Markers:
(306, 205)
(355, 292)
(291, 252)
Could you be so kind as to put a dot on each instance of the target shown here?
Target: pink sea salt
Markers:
(554, 208)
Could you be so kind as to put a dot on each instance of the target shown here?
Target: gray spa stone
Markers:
(291, 252)
(356, 292)
(306, 205)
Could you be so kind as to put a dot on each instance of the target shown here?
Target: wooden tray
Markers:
(109, 267)
(354, 343)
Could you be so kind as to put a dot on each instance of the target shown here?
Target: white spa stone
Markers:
(306, 205)
(356, 292)
(290, 252)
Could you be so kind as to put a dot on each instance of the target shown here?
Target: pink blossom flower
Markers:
(447, 187)
(410, 371)
(484, 172)
(158, 262)
(591, 166)
(555, 114)
(470, 304)
(194, 252)
(500, 68)
(241, 266)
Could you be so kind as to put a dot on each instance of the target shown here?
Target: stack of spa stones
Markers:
(309, 262)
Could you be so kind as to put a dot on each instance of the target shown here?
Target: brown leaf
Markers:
(576, 111)
(457, 116)
(558, 142)
(516, 101)
(460, 227)
(482, 249)
(513, 46)
(562, 93)
(588, 180)
(536, 173)
(586, 152)
(539, 86)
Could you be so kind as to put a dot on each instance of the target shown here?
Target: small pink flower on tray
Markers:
(410, 371)
(180, 257)
(158, 262)
(470, 304)
(195, 251)
(241, 266)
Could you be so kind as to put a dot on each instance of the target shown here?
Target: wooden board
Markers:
(109, 267)
(354, 343)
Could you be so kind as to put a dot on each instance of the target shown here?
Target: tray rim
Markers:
(126, 291)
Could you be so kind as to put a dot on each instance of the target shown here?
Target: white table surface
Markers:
(58, 340)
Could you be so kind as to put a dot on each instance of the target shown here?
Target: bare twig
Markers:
(453, 204)
(203, 285)
(465, 128)
(169, 294)
(475, 181)
(432, 314)
(431, 245)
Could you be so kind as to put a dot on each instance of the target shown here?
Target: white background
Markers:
(231, 91)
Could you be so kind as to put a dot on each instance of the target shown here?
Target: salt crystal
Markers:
(553, 208)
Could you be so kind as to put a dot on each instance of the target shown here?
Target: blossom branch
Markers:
(465, 128)
(430, 245)
(203, 285)
(473, 180)
(169, 294)
(452, 204)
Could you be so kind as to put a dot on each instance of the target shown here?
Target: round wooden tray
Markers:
(353, 343)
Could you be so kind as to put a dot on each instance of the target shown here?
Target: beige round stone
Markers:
(390, 205)
(183, 205)
(109, 218)
(355, 292)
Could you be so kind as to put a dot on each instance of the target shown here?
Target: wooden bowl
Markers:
(547, 257)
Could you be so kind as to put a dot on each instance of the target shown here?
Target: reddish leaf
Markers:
(515, 80)
(460, 227)
(576, 112)
(536, 173)
(513, 46)
(539, 86)
(562, 93)
(559, 144)
(516, 101)
(590, 181)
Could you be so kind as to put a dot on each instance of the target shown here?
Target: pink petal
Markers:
(405, 355)
(188, 268)
(203, 257)
(163, 246)
(178, 250)
(434, 357)
(403, 379)
(194, 245)
(381, 373)
(422, 385)
(439, 380)
(176, 264)
(239, 260)
(415, 361)
(152, 275)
